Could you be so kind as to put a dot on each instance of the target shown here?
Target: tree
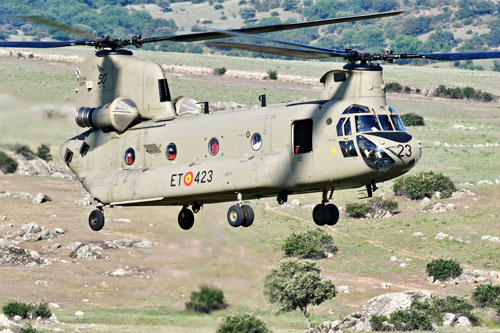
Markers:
(296, 284)
(247, 13)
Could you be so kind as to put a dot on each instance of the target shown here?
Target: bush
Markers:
(442, 269)
(272, 74)
(357, 210)
(220, 70)
(412, 119)
(312, 244)
(16, 309)
(378, 203)
(206, 300)
(377, 323)
(25, 151)
(43, 152)
(486, 295)
(242, 323)
(41, 310)
(28, 329)
(393, 87)
(7, 164)
(424, 184)
(410, 320)
(458, 306)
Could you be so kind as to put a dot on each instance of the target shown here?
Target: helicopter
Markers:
(139, 148)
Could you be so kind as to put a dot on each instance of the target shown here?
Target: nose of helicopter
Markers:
(398, 151)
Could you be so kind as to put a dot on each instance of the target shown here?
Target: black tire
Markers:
(321, 214)
(185, 219)
(334, 214)
(249, 216)
(96, 220)
(235, 216)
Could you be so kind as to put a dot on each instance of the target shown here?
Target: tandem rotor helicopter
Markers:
(142, 150)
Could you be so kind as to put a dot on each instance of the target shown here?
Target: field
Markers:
(36, 105)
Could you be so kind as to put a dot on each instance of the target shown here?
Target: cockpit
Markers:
(360, 119)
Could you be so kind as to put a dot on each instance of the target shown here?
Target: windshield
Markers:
(366, 124)
(385, 123)
(398, 123)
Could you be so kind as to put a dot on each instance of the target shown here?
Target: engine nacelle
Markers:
(117, 115)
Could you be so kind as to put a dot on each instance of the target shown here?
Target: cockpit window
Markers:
(385, 123)
(356, 109)
(339, 127)
(366, 124)
(347, 127)
(398, 123)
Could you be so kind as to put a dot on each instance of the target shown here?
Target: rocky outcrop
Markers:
(467, 276)
(85, 251)
(11, 255)
(136, 272)
(35, 166)
(32, 232)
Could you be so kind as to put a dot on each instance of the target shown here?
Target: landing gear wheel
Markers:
(321, 214)
(235, 216)
(185, 219)
(334, 214)
(96, 220)
(248, 220)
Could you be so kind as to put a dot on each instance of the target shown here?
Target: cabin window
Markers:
(256, 141)
(129, 156)
(302, 136)
(213, 146)
(171, 151)
(164, 91)
(348, 149)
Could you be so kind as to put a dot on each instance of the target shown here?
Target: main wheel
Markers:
(321, 214)
(248, 211)
(235, 216)
(96, 220)
(334, 214)
(185, 219)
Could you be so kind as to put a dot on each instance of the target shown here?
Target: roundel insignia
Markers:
(188, 178)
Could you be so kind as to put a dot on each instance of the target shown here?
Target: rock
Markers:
(54, 306)
(79, 313)
(344, 289)
(85, 300)
(425, 204)
(4, 194)
(144, 244)
(385, 285)
(87, 252)
(437, 195)
(85, 202)
(52, 320)
(418, 234)
(41, 198)
(295, 203)
(4, 321)
(448, 319)
(354, 323)
(403, 265)
(17, 318)
(494, 275)
(11, 255)
(31, 232)
(24, 195)
(441, 236)
(462, 322)
(59, 231)
(393, 258)
(485, 182)
(136, 272)
(450, 207)
(386, 304)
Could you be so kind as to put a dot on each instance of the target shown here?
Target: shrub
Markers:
(28, 329)
(41, 310)
(407, 89)
(242, 323)
(424, 184)
(412, 119)
(486, 295)
(43, 152)
(380, 203)
(25, 151)
(272, 74)
(7, 164)
(312, 244)
(357, 210)
(16, 309)
(458, 306)
(206, 300)
(378, 323)
(393, 87)
(220, 70)
(442, 269)
(410, 320)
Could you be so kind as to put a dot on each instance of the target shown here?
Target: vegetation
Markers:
(412, 119)
(7, 164)
(312, 244)
(443, 269)
(208, 299)
(43, 152)
(487, 295)
(25, 310)
(424, 184)
(25, 151)
(359, 210)
(463, 93)
(28, 329)
(220, 70)
(272, 74)
(242, 323)
(296, 284)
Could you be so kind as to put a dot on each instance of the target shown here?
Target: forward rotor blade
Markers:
(43, 45)
(283, 51)
(201, 36)
(454, 56)
(58, 26)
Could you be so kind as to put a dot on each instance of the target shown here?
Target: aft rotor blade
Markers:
(283, 51)
(58, 26)
(201, 36)
(231, 33)
(43, 45)
(454, 56)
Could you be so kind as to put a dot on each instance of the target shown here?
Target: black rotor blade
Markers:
(453, 56)
(58, 26)
(230, 33)
(283, 51)
(43, 45)
(201, 36)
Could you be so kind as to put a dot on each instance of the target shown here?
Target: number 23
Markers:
(404, 150)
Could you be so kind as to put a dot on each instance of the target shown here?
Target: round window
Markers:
(171, 151)
(256, 141)
(129, 156)
(213, 146)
